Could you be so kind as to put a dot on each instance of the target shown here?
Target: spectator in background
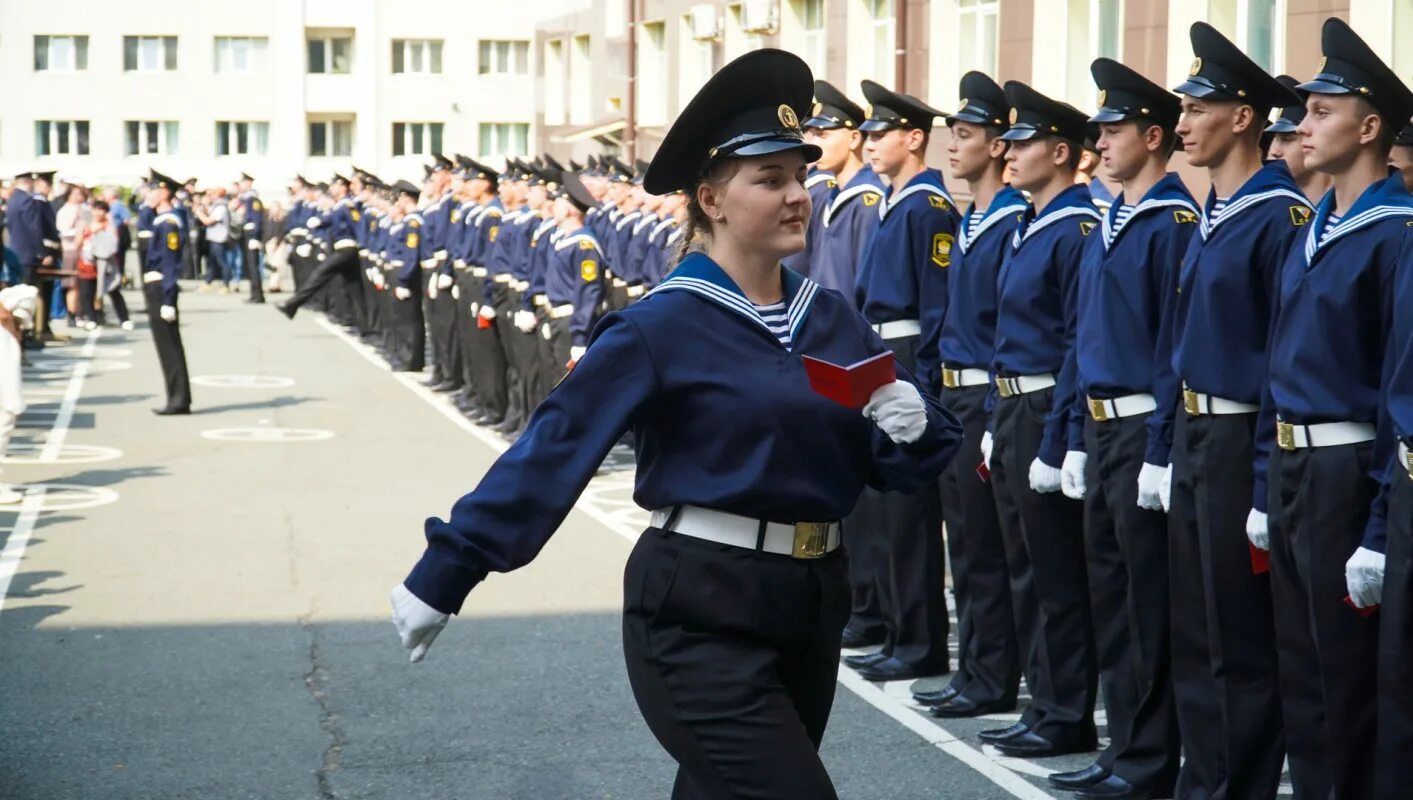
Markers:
(100, 274)
(71, 220)
(215, 216)
(119, 213)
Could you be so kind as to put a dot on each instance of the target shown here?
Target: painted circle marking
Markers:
(29, 453)
(243, 381)
(267, 434)
(68, 496)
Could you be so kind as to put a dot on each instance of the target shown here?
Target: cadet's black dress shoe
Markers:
(935, 698)
(855, 639)
(447, 386)
(490, 422)
(892, 669)
(1033, 745)
(962, 706)
(865, 660)
(286, 309)
(170, 412)
(1079, 779)
(1002, 734)
(1114, 788)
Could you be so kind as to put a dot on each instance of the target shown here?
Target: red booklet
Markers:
(1260, 560)
(1363, 612)
(850, 386)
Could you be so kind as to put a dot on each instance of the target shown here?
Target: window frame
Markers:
(330, 127)
(167, 55)
(77, 142)
(78, 51)
(326, 47)
(257, 55)
(165, 142)
(504, 55)
(980, 10)
(503, 133)
(256, 145)
(429, 137)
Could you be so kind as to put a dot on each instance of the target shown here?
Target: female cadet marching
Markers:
(736, 597)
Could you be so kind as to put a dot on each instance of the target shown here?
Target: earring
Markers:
(721, 218)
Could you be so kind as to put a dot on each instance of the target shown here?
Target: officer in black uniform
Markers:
(161, 270)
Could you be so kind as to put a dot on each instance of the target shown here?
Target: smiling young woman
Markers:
(736, 596)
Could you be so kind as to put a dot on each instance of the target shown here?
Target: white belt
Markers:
(898, 329)
(521, 286)
(1119, 407)
(560, 312)
(1324, 434)
(637, 291)
(619, 283)
(1405, 459)
(1023, 384)
(963, 378)
(1198, 404)
(299, 231)
(459, 263)
(801, 540)
(504, 277)
(479, 272)
(362, 253)
(152, 276)
(51, 244)
(429, 263)
(144, 234)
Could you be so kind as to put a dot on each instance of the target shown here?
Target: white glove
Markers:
(444, 281)
(252, 244)
(313, 222)
(432, 290)
(1072, 475)
(151, 276)
(488, 312)
(577, 352)
(402, 293)
(303, 250)
(546, 331)
(1165, 492)
(475, 309)
(417, 623)
(456, 292)
(378, 279)
(897, 409)
(168, 313)
(1364, 575)
(1151, 480)
(525, 321)
(1256, 530)
(1044, 478)
(986, 444)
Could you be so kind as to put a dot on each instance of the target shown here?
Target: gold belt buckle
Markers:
(1003, 387)
(950, 378)
(811, 540)
(1285, 435)
(1097, 410)
(1189, 402)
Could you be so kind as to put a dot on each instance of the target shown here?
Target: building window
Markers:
(1095, 30)
(976, 23)
(882, 36)
(235, 54)
(330, 54)
(581, 90)
(417, 56)
(150, 138)
(149, 53)
(554, 82)
(814, 47)
(652, 74)
(61, 137)
(242, 138)
(60, 53)
(331, 137)
(504, 58)
(1254, 24)
(505, 139)
(417, 138)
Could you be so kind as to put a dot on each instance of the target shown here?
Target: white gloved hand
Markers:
(456, 292)
(417, 623)
(303, 250)
(431, 290)
(151, 276)
(252, 244)
(525, 321)
(1151, 480)
(168, 313)
(402, 293)
(475, 309)
(378, 279)
(368, 273)
(546, 331)
(1364, 576)
(487, 312)
(1165, 492)
(444, 281)
(577, 352)
(313, 222)
(1044, 478)
(1072, 475)
(1256, 530)
(897, 409)
(986, 445)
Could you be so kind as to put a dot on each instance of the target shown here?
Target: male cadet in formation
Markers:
(338, 226)
(901, 285)
(253, 229)
(1283, 143)
(1127, 396)
(994, 602)
(1223, 634)
(161, 268)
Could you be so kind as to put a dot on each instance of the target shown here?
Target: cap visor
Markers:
(967, 116)
(1109, 115)
(1323, 87)
(823, 123)
(870, 125)
(1195, 89)
(1020, 135)
(811, 152)
(1280, 126)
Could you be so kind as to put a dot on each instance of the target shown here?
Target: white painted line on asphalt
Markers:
(267, 434)
(15, 545)
(54, 442)
(243, 381)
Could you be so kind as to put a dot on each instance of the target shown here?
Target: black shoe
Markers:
(286, 309)
(1033, 745)
(447, 386)
(935, 698)
(256, 301)
(490, 422)
(1079, 779)
(891, 669)
(433, 382)
(170, 412)
(960, 706)
(855, 639)
(1002, 734)
(865, 660)
(1113, 788)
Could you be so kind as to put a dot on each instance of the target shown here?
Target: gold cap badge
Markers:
(787, 116)
(1196, 66)
(963, 106)
(1015, 115)
(1103, 95)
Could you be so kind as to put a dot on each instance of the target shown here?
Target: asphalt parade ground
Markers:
(197, 607)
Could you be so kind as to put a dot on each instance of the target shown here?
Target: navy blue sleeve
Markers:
(935, 230)
(1167, 256)
(1061, 422)
(1271, 254)
(588, 293)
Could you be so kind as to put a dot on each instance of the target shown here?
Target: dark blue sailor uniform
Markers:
(843, 229)
(164, 265)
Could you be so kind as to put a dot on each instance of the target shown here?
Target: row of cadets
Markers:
(405, 251)
(637, 248)
(573, 277)
(901, 290)
(995, 602)
(337, 273)
(34, 236)
(493, 380)
(662, 239)
(438, 305)
(482, 225)
(253, 231)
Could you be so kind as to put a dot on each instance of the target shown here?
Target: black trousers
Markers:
(1395, 770)
(1223, 633)
(1318, 506)
(170, 353)
(904, 534)
(437, 311)
(733, 656)
(339, 267)
(488, 361)
(464, 330)
(119, 304)
(519, 357)
(407, 343)
(1061, 672)
(1127, 561)
(250, 259)
(987, 646)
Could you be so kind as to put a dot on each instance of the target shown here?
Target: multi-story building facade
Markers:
(103, 90)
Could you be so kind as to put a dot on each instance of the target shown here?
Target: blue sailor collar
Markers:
(817, 176)
(929, 180)
(1384, 199)
(698, 274)
(1272, 180)
(1075, 201)
(1168, 193)
(583, 238)
(1008, 201)
(625, 219)
(865, 181)
(660, 227)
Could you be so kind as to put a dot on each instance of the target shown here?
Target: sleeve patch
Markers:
(1299, 215)
(414, 223)
(870, 199)
(1183, 217)
(589, 270)
(586, 245)
(495, 230)
(355, 214)
(255, 205)
(937, 201)
(1086, 227)
(174, 241)
(412, 240)
(455, 216)
(942, 250)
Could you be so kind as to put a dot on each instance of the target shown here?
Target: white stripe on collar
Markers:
(1314, 240)
(643, 223)
(1110, 234)
(847, 195)
(625, 219)
(795, 315)
(818, 178)
(675, 235)
(887, 203)
(1234, 208)
(991, 217)
(660, 227)
(1047, 220)
(578, 237)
